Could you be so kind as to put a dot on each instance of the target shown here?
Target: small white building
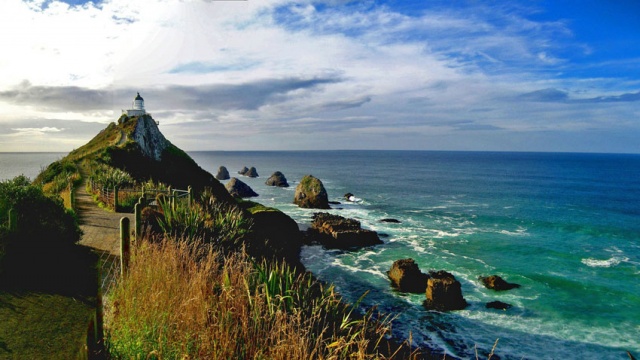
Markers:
(137, 107)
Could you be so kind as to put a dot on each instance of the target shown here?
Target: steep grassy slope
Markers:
(137, 146)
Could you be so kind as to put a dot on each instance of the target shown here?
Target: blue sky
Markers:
(287, 75)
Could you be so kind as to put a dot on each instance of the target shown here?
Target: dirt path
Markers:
(101, 228)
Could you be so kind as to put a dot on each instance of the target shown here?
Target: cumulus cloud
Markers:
(306, 72)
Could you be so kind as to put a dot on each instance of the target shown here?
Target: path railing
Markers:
(124, 199)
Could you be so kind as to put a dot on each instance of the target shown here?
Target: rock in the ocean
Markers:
(223, 173)
(274, 235)
(495, 282)
(277, 179)
(388, 220)
(251, 173)
(348, 195)
(498, 305)
(239, 189)
(243, 171)
(407, 277)
(310, 193)
(337, 232)
(444, 292)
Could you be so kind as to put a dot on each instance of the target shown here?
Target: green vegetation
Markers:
(42, 228)
(111, 135)
(110, 177)
(210, 220)
(185, 300)
(193, 291)
(47, 283)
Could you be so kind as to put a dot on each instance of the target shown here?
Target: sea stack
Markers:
(223, 173)
(444, 292)
(311, 194)
(238, 189)
(405, 276)
(277, 179)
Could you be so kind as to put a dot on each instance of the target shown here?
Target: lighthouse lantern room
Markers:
(137, 107)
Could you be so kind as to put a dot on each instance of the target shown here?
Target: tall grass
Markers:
(212, 221)
(110, 177)
(185, 300)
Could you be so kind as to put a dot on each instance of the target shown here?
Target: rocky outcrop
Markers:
(311, 194)
(253, 173)
(349, 196)
(444, 292)
(238, 189)
(389, 220)
(277, 179)
(146, 154)
(274, 235)
(243, 171)
(498, 305)
(407, 277)
(223, 173)
(149, 138)
(337, 232)
(497, 283)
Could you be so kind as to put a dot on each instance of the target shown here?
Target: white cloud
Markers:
(243, 65)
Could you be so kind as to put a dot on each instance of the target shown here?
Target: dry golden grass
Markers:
(184, 300)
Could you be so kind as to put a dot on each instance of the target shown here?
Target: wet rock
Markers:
(389, 220)
(274, 235)
(223, 173)
(349, 196)
(407, 277)
(495, 282)
(238, 189)
(337, 232)
(444, 292)
(243, 171)
(498, 305)
(277, 179)
(310, 193)
(252, 173)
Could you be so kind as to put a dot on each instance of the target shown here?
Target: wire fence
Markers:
(124, 200)
(109, 268)
(105, 194)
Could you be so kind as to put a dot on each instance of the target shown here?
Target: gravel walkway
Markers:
(101, 228)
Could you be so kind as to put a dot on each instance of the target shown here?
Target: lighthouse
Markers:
(137, 107)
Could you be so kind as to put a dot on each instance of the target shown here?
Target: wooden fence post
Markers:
(13, 220)
(137, 209)
(99, 324)
(125, 245)
(115, 199)
(71, 197)
(190, 190)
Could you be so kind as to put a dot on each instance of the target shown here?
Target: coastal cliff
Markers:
(136, 145)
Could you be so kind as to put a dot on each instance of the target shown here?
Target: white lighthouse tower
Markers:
(137, 107)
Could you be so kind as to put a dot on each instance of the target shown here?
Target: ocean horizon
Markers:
(565, 226)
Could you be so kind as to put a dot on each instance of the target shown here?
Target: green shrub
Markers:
(43, 229)
(213, 221)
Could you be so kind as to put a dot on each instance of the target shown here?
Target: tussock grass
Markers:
(182, 299)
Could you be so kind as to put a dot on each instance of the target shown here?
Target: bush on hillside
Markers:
(44, 227)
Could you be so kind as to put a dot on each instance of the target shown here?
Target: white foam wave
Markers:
(518, 232)
(613, 261)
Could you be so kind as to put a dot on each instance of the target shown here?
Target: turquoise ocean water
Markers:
(564, 226)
